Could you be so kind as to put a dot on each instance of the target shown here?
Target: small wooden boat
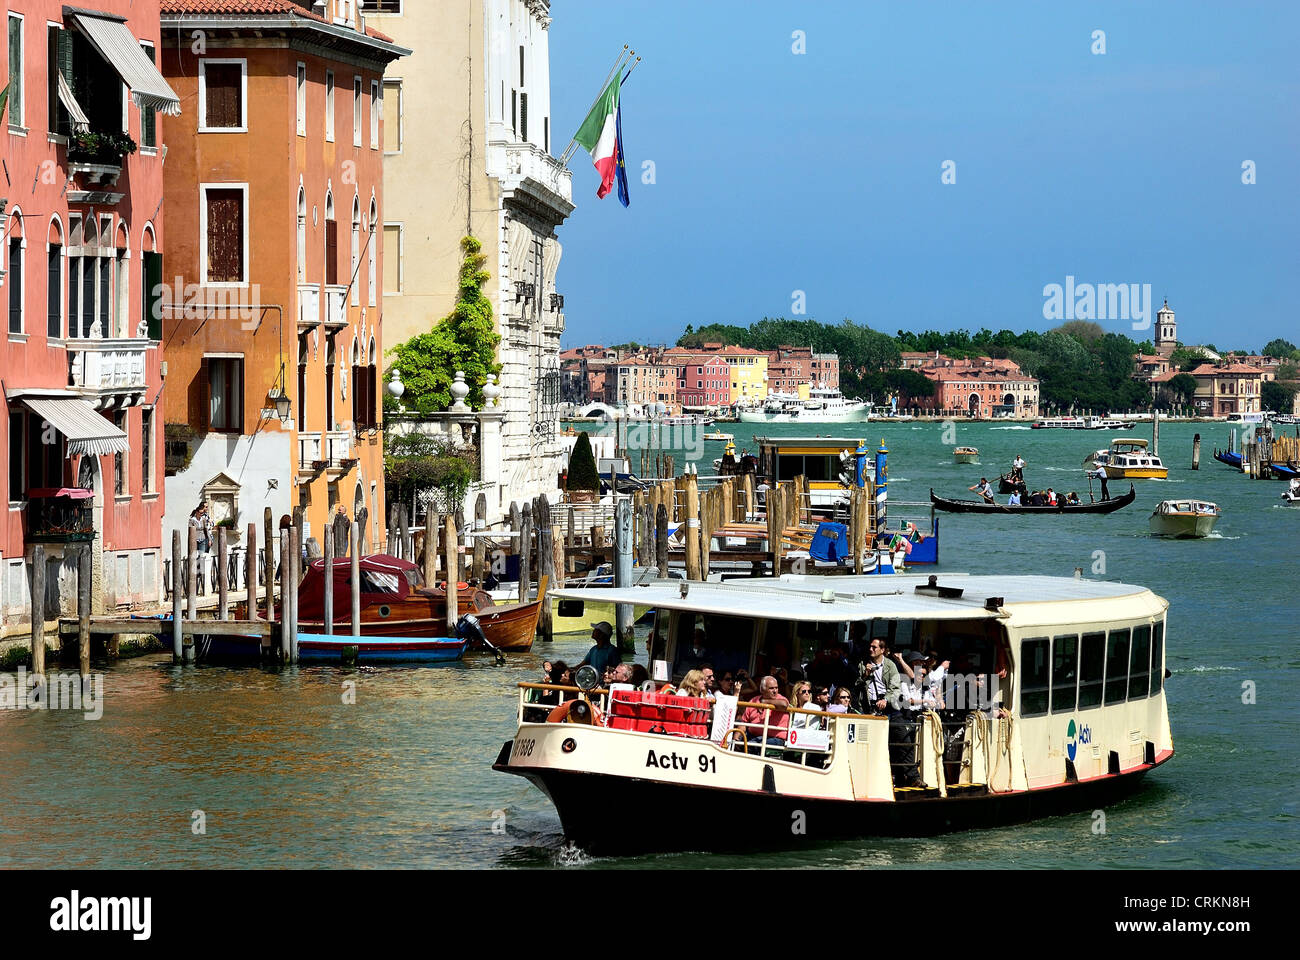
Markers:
(396, 603)
(980, 506)
(1184, 518)
(966, 455)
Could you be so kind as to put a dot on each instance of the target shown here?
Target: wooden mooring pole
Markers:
(178, 598)
(545, 560)
(450, 548)
(328, 550)
(525, 551)
(223, 575)
(1196, 452)
(693, 568)
(661, 539)
(250, 571)
(480, 542)
(192, 575)
(354, 580)
(623, 573)
(38, 609)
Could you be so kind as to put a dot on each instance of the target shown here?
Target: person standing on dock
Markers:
(202, 523)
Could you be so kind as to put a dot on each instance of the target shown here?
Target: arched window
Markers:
(54, 279)
(369, 413)
(372, 244)
(16, 275)
(356, 250)
(331, 241)
(329, 384)
(302, 235)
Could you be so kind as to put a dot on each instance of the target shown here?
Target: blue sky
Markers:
(821, 172)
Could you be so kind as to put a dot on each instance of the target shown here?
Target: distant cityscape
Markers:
(719, 378)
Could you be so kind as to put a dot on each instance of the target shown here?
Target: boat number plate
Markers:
(523, 748)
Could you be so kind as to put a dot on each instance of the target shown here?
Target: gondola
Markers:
(979, 506)
(1007, 485)
(1228, 457)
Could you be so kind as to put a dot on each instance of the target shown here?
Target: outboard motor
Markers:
(468, 628)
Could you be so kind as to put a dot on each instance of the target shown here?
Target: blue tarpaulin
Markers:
(830, 543)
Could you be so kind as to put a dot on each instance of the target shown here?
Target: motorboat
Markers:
(1291, 495)
(1131, 460)
(1184, 518)
(966, 455)
(824, 405)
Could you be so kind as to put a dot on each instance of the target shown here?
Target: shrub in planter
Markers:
(99, 146)
(582, 467)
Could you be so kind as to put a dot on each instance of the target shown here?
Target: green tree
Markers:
(1182, 388)
(465, 339)
(1278, 347)
(1278, 396)
(582, 473)
(415, 462)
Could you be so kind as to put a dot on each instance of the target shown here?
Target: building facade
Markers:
(468, 151)
(981, 387)
(647, 386)
(275, 201)
(80, 366)
(1227, 388)
(703, 381)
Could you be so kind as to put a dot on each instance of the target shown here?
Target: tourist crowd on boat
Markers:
(860, 677)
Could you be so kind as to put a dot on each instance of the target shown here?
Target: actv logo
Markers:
(102, 914)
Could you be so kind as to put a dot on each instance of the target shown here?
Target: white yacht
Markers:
(824, 405)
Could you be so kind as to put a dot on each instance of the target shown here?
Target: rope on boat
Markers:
(936, 741)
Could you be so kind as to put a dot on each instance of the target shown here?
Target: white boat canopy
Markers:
(847, 599)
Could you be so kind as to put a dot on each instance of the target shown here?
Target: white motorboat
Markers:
(1184, 519)
(1291, 495)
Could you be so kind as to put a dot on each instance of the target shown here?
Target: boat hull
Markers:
(1135, 473)
(335, 649)
(1182, 527)
(973, 506)
(813, 416)
(729, 819)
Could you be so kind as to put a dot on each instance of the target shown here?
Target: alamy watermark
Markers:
(1099, 301)
(53, 691)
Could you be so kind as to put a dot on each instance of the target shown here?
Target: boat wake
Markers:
(1010, 428)
(1216, 535)
(570, 855)
(1217, 668)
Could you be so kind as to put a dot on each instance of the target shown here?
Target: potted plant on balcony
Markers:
(98, 153)
(583, 480)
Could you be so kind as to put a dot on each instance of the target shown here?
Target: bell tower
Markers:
(1166, 331)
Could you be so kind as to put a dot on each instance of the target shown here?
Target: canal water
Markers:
(328, 767)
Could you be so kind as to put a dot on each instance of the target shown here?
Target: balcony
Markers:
(336, 307)
(109, 373)
(534, 180)
(310, 459)
(341, 456)
(60, 516)
(308, 306)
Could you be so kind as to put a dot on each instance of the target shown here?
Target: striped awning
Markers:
(87, 432)
(121, 50)
(69, 101)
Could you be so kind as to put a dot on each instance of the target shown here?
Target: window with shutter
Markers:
(148, 116)
(331, 251)
(392, 258)
(392, 116)
(152, 298)
(199, 397)
(15, 71)
(225, 235)
(223, 94)
(329, 105)
(523, 116)
(54, 292)
(15, 281)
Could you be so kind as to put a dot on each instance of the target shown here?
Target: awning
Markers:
(69, 101)
(88, 433)
(110, 36)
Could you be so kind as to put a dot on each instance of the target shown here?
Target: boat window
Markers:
(1092, 665)
(787, 643)
(788, 466)
(1065, 673)
(1157, 657)
(721, 641)
(414, 577)
(1139, 663)
(1117, 665)
(1034, 656)
(821, 468)
(372, 581)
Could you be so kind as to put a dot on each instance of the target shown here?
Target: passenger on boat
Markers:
(821, 699)
(1051, 497)
(983, 489)
(604, 654)
(802, 699)
(919, 693)
(1014, 499)
(710, 681)
(777, 719)
(882, 683)
(640, 677)
(692, 685)
(1037, 499)
(1073, 499)
(726, 684)
(619, 673)
(841, 702)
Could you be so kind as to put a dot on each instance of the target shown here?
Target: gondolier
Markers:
(983, 489)
(1100, 474)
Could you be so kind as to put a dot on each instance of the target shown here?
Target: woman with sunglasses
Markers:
(841, 701)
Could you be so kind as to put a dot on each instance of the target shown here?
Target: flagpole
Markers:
(629, 72)
(618, 65)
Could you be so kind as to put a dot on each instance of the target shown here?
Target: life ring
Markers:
(442, 585)
(560, 714)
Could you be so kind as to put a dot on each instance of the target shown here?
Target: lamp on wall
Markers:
(283, 405)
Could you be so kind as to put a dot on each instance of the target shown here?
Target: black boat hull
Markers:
(723, 819)
(979, 506)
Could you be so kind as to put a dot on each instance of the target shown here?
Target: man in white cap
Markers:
(604, 654)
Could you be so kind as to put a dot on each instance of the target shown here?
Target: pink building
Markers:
(702, 380)
(83, 145)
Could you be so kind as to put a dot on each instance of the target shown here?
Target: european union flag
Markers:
(620, 169)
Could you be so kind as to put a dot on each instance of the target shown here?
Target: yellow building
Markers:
(748, 374)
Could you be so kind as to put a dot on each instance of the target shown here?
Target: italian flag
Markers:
(598, 135)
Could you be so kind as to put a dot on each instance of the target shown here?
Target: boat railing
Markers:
(748, 736)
